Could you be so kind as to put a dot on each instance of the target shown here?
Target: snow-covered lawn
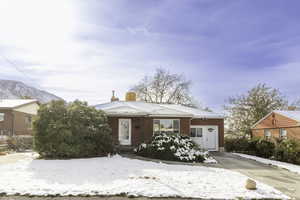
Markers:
(284, 165)
(117, 175)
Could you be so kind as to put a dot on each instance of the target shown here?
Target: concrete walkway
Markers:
(281, 179)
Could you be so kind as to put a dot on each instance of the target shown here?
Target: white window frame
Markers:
(172, 124)
(267, 133)
(197, 134)
(281, 130)
(2, 117)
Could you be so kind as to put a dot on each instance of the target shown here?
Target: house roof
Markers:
(139, 108)
(14, 103)
(295, 115)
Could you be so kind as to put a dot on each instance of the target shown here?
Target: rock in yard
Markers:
(250, 184)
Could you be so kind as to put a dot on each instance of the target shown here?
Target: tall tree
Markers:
(246, 110)
(164, 87)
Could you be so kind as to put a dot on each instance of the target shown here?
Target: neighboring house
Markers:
(134, 122)
(278, 124)
(16, 116)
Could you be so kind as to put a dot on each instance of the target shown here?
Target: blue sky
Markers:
(85, 49)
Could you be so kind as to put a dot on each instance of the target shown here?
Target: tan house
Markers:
(134, 122)
(16, 116)
(278, 124)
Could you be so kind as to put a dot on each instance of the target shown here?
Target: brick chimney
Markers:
(130, 96)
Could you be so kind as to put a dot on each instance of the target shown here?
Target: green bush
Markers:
(236, 144)
(20, 143)
(171, 147)
(288, 151)
(265, 148)
(71, 130)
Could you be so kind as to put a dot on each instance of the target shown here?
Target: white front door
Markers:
(211, 138)
(206, 137)
(125, 131)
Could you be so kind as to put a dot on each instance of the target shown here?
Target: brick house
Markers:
(134, 122)
(16, 116)
(278, 124)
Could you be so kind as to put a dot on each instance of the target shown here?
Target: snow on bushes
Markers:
(172, 147)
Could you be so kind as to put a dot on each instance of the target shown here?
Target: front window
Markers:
(268, 133)
(167, 126)
(283, 133)
(196, 132)
(2, 117)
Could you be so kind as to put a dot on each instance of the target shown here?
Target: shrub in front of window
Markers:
(171, 147)
(71, 130)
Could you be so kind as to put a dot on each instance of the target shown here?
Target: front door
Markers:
(125, 131)
(211, 138)
(205, 136)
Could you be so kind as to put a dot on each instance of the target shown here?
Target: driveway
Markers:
(281, 179)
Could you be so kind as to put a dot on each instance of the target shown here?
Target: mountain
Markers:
(10, 89)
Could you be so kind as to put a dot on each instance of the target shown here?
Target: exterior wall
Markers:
(14, 123)
(142, 127)
(213, 122)
(6, 126)
(31, 108)
(292, 133)
(20, 126)
(274, 122)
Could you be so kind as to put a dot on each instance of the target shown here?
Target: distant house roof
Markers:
(139, 108)
(14, 103)
(295, 115)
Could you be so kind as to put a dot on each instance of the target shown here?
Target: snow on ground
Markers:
(117, 175)
(284, 165)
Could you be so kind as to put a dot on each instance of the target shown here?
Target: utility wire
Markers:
(15, 66)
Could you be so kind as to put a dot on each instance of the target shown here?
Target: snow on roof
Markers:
(140, 108)
(295, 115)
(12, 103)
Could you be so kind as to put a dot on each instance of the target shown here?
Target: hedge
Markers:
(286, 150)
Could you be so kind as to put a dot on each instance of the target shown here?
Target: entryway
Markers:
(206, 137)
(125, 131)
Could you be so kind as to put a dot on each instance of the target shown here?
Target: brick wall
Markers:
(292, 133)
(142, 128)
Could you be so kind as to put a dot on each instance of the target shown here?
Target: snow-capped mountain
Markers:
(10, 89)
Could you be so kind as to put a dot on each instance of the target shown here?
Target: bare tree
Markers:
(164, 87)
(245, 110)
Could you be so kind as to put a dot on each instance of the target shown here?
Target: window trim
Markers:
(280, 133)
(153, 132)
(3, 114)
(265, 131)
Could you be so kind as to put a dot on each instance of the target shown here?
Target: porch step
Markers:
(124, 148)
